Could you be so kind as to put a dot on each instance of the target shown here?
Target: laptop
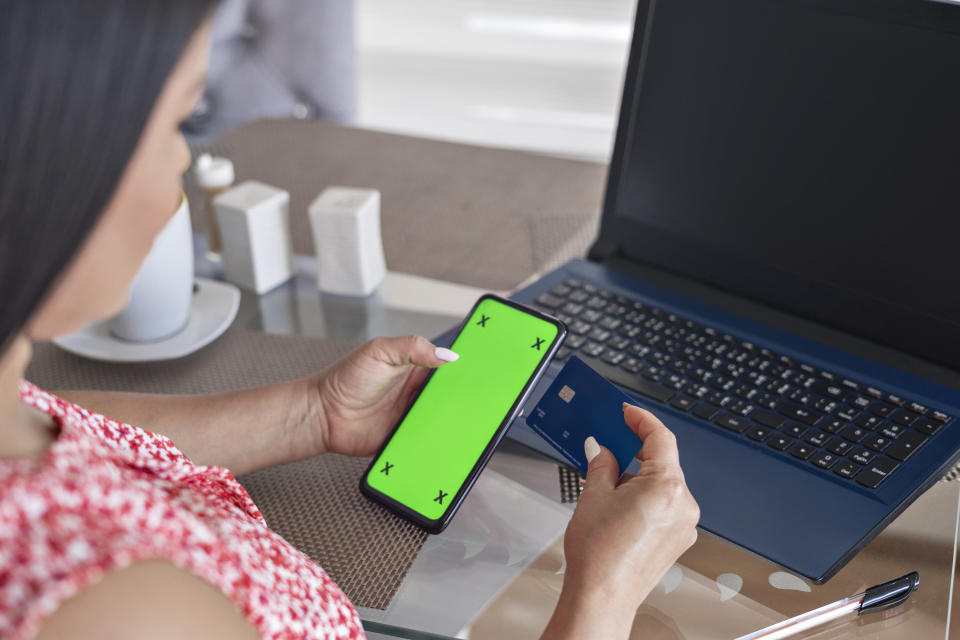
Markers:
(776, 269)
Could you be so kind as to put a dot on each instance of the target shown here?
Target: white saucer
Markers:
(213, 308)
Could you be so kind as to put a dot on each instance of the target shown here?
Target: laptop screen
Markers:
(804, 153)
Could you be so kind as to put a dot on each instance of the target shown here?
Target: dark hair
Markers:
(78, 81)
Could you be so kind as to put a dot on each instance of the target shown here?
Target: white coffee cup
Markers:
(160, 295)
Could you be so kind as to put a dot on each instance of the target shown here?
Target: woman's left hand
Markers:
(363, 395)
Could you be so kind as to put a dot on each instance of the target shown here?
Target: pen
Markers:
(876, 598)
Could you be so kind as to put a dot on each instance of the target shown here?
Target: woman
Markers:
(110, 530)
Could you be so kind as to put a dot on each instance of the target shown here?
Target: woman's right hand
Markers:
(625, 533)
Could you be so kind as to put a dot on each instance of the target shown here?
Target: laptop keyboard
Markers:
(835, 424)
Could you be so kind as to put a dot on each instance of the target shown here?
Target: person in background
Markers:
(119, 513)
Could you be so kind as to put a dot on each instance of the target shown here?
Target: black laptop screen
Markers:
(803, 153)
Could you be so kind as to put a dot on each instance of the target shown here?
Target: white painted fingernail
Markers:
(445, 354)
(591, 448)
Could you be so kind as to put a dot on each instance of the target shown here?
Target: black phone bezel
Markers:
(439, 524)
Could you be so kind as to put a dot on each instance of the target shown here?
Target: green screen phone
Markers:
(427, 466)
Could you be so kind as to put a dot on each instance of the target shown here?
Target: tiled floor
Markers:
(543, 75)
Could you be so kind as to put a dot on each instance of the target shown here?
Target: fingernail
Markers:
(591, 448)
(445, 354)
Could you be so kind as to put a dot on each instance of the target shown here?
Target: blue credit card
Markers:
(582, 403)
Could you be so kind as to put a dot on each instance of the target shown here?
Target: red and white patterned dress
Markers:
(108, 494)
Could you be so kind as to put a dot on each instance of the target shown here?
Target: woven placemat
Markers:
(315, 504)
(478, 216)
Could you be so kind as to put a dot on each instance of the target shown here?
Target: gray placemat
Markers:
(479, 216)
(315, 504)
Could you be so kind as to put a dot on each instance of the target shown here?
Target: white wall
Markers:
(543, 75)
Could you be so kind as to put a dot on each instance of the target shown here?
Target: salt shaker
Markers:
(214, 175)
(346, 236)
(254, 223)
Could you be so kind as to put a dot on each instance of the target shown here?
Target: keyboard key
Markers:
(599, 335)
(740, 408)
(638, 350)
(905, 446)
(862, 456)
(759, 433)
(877, 442)
(697, 391)
(548, 300)
(573, 284)
(854, 434)
(619, 343)
(682, 402)
(895, 400)
(847, 469)
(833, 425)
(867, 421)
(632, 365)
(918, 408)
(940, 415)
(839, 447)
(609, 323)
(877, 473)
(572, 308)
(674, 381)
(802, 414)
(613, 357)
(768, 419)
(817, 438)
(563, 353)
(769, 401)
(574, 341)
(733, 423)
(579, 296)
(881, 409)
(905, 418)
(795, 429)
(579, 327)
(561, 290)
(848, 414)
(892, 431)
(825, 459)
(779, 442)
(830, 389)
(628, 330)
(927, 426)
(827, 405)
(593, 349)
(802, 451)
(850, 384)
(705, 411)
(718, 399)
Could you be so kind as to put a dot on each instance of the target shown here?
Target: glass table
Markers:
(496, 571)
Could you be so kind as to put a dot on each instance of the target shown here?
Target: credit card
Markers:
(582, 403)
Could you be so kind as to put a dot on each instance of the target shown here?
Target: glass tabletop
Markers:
(497, 570)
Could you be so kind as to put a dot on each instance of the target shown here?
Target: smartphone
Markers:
(441, 444)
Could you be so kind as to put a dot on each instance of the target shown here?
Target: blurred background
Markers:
(539, 75)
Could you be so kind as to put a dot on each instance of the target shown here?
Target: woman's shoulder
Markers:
(91, 509)
(147, 599)
(103, 435)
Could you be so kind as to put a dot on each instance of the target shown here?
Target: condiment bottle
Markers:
(215, 175)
